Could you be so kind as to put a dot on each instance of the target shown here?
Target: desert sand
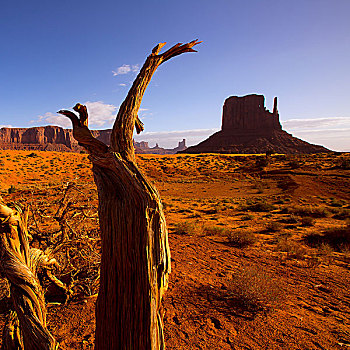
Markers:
(260, 246)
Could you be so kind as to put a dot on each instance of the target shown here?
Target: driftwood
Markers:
(26, 325)
(135, 261)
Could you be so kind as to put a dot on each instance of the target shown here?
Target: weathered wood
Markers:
(135, 261)
(19, 264)
(11, 335)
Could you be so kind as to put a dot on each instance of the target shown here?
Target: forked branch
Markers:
(81, 130)
(121, 138)
(127, 118)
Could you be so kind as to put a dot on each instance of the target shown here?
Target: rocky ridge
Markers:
(55, 138)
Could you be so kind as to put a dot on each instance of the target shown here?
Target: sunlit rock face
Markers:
(55, 138)
(50, 138)
(248, 127)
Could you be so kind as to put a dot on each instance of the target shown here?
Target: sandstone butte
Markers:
(248, 128)
(55, 138)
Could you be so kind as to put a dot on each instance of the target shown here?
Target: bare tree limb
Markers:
(135, 260)
(121, 138)
(19, 265)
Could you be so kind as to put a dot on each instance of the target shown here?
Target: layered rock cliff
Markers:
(248, 127)
(55, 138)
(40, 138)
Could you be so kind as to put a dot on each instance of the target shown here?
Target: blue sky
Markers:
(56, 53)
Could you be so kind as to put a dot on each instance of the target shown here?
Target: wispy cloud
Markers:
(125, 69)
(5, 126)
(122, 84)
(333, 133)
(53, 119)
(101, 115)
(316, 123)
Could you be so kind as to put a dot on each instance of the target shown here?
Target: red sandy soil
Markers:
(283, 289)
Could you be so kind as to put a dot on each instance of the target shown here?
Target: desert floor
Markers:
(260, 246)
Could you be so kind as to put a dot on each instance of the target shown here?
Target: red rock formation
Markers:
(248, 127)
(40, 138)
(55, 138)
(181, 146)
(143, 148)
(248, 113)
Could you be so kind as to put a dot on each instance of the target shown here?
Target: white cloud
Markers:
(122, 84)
(334, 139)
(101, 115)
(333, 133)
(125, 69)
(6, 126)
(54, 119)
(316, 123)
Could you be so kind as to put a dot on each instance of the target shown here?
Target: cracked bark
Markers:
(135, 261)
(26, 325)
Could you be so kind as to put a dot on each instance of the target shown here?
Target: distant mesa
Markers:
(55, 138)
(248, 128)
(45, 138)
(142, 147)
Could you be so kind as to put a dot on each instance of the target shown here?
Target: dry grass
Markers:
(293, 249)
(307, 221)
(257, 206)
(307, 210)
(241, 238)
(274, 226)
(213, 230)
(337, 237)
(63, 219)
(185, 228)
(341, 214)
(255, 290)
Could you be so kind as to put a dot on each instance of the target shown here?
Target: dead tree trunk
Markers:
(135, 260)
(26, 328)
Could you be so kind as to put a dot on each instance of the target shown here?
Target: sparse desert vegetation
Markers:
(260, 254)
